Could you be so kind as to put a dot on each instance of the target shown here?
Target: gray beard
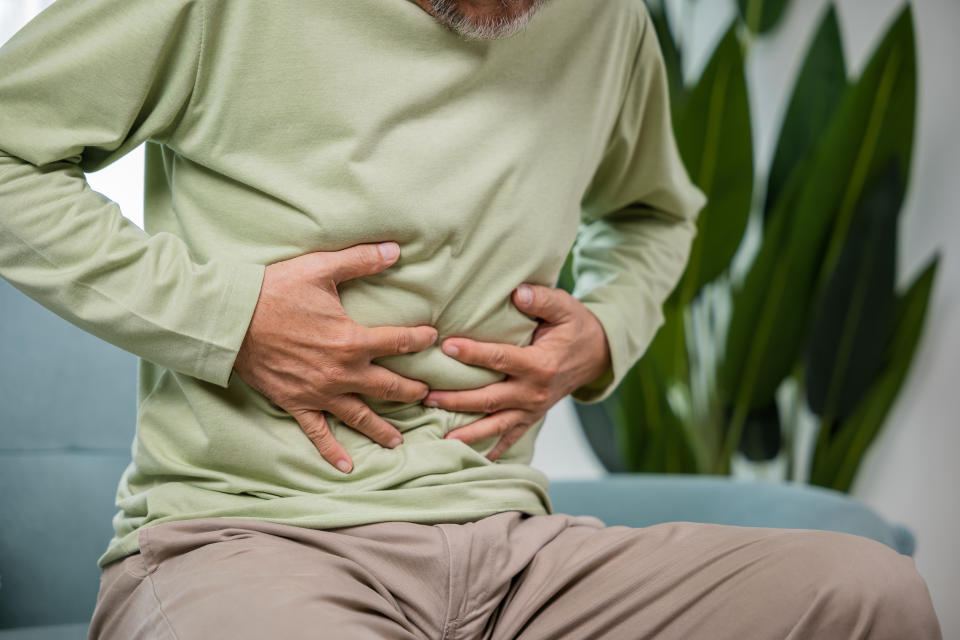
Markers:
(448, 12)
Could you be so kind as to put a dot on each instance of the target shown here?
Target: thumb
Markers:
(543, 302)
(360, 260)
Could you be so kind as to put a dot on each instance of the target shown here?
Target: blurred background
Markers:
(809, 341)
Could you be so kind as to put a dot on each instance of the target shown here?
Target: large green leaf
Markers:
(816, 94)
(761, 15)
(835, 464)
(873, 123)
(672, 58)
(714, 139)
(651, 437)
(853, 317)
(763, 336)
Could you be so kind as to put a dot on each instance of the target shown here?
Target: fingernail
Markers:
(344, 466)
(395, 443)
(525, 294)
(425, 393)
(430, 403)
(450, 349)
(389, 250)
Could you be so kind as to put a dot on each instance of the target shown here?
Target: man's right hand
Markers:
(305, 354)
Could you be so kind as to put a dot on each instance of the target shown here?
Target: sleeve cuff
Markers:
(240, 297)
(627, 344)
(600, 389)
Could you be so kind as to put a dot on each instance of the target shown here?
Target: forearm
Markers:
(70, 249)
(625, 267)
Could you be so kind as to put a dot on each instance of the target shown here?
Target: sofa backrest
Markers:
(67, 420)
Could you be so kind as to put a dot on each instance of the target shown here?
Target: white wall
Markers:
(908, 474)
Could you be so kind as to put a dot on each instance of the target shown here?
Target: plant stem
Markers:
(754, 11)
(823, 440)
(792, 447)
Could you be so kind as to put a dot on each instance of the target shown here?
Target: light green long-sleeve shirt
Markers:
(275, 129)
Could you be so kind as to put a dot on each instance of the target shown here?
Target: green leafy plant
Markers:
(813, 309)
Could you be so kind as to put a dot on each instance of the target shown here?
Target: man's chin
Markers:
(473, 27)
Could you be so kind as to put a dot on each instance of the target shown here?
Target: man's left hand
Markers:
(569, 350)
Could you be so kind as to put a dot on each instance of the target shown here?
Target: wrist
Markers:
(600, 370)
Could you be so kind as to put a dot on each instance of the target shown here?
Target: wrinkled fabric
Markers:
(274, 129)
(510, 576)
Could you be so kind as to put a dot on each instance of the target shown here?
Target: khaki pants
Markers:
(509, 575)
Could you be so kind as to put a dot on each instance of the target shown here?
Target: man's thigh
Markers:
(193, 580)
(691, 581)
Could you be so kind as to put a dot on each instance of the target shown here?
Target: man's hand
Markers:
(569, 350)
(305, 354)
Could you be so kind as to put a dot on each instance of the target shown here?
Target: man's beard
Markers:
(448, 12)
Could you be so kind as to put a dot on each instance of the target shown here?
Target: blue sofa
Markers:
(67, 415)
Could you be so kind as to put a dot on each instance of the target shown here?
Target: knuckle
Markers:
(547, 368)
(353, 342)
(540, 395)
(499, 359)
(357, 417)
(489, 404)
(345, 342)
(403, 342)
(334, 374)
(352, 352)
(318, 432)
(282, 398)
(390, 388)
(369, 254)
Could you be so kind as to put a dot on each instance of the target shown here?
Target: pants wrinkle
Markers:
(510, 576)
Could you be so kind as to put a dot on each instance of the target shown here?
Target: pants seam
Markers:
(446, 616)
(151, 567)
(163, 614)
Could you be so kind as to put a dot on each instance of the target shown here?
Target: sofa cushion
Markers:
(639, 500)
(57, 509)
(55, 632)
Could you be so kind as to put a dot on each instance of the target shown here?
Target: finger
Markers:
(494, 424)
(488, 399)
(509, 439)
(355, 413)
(553, 305)
(390, 341)
(382, 383)
(314, 425)
(359, 260)
(498, 356)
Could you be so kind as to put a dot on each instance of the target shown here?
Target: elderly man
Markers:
(343, 303)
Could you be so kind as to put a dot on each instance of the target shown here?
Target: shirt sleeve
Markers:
(82, 84)
(638, 221)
